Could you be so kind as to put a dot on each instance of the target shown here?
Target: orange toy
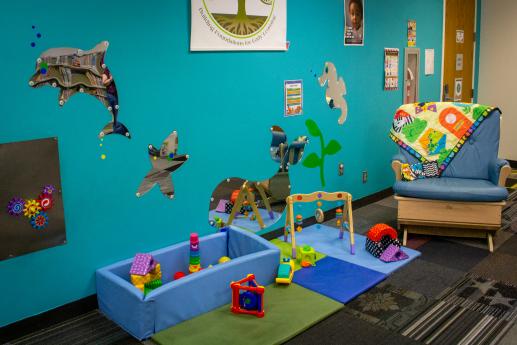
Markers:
(234, 196)
(378, 231)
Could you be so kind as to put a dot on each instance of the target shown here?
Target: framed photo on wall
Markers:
(354, 22)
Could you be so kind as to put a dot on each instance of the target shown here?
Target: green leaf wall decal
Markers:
(313, 160)
(313, 128)
(332, 148)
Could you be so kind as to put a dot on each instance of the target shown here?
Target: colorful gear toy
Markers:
(49, 189)
(45, 201)
(31, 208)
(15, 206)
(39, 221)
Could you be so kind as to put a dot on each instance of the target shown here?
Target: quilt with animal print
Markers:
(436, 131)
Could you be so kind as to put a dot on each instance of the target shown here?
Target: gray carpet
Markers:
(498, 266)
(509, 247)
(475, 311)
(451, 254)
(368, 216)
(342, 328)
(388, 306)
(88, 329)
(424, 277)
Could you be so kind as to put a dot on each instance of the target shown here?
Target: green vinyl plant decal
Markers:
(313, 160)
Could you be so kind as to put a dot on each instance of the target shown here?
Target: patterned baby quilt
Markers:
(436, 131)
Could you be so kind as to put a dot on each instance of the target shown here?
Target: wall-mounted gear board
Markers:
(31, 203)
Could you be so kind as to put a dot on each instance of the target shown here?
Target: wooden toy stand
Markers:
(246, 195)
(317, 196)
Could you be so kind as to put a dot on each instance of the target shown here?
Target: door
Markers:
(411, 74)
(458, 55)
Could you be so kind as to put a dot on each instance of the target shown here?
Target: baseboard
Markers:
(65, 312)
(47, 319)
(513, 164)
(329, 214)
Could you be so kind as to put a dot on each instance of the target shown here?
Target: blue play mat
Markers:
(338, 279)
(324, 239)
(341, 275)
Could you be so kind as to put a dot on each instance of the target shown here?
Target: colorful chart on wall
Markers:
(354, 22)
(238, 25)
(391, 68)
(293, 97)
(411, 33)
(31, 203)
(75, 71)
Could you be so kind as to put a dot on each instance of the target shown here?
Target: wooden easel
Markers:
(246, 195)
(317, 196)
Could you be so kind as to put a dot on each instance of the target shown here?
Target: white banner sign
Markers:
(238, 25)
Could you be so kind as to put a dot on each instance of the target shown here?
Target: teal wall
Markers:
(222, 105)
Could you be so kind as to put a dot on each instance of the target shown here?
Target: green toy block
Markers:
(148, 287)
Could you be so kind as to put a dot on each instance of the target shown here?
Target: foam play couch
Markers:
(195, 294)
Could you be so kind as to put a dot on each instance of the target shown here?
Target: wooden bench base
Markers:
(449, 218)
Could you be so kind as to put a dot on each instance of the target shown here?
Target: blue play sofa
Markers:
(195, 294)
(467, 199)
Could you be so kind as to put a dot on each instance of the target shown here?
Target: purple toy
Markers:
(393, 253)
(15, 206)
(221, 207)
(142, 264)
(49, 189)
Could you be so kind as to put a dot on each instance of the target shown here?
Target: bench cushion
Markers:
(451, 188)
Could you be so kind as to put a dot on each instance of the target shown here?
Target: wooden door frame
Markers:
(474, 52)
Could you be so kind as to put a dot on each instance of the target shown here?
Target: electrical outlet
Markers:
(365, 176)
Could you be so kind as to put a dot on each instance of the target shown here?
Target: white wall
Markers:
(498, 68)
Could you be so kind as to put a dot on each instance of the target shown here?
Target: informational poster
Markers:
(354, 22)
(238, 25)
(293, 97)
(460, 36)
(391, 68)
(411, 33)
(429, 61)
(458, 89)
(459, 62)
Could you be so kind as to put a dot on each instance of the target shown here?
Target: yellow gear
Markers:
(32, 208)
